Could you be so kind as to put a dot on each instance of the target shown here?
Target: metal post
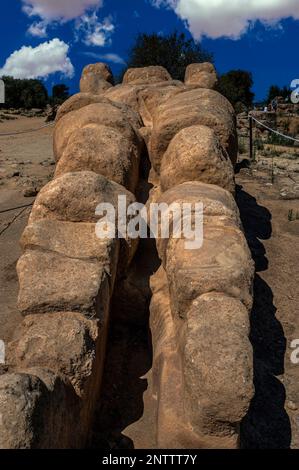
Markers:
(251, 138)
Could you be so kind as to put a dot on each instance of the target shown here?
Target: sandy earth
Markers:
(273, 419)
(26, 163)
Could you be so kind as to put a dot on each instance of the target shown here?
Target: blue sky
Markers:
(57, 38)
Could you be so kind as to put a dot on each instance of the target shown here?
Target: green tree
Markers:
(236, 86)
(60, 93)
(24, 93)
(174, 52)
(275, 91)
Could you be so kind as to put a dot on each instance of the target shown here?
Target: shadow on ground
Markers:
(267, 424)
(129, 357)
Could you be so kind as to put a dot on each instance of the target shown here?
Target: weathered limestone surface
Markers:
(201, 75)
(145, 98)
(97, 114)
(219, 207)
(34, 407)
(105, 151)
(200, 298)
(80, 100)
(218, 379)
(64, 342)
(195, 154)
(153, 74)
(51, 282)
(189, 108)
(208, 299)
(100, 138)
(223, 264)
(96, 78)
(73, 240)
(152, 96)
(195, 369)
(77, 101)
(75, 196)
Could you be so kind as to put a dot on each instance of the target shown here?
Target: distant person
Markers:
(274, 105)
(265, 109)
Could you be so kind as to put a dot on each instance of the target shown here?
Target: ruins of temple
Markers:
(151, 139)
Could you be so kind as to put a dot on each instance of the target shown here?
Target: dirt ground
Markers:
(26, 164)
(273, 418)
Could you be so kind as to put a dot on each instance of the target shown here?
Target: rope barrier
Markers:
(275, 132)
(12, 221)
(15, 208)
(27, 131)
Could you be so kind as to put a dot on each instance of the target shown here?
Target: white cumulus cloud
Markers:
(94, 32)
(53, 11)
(229, 18)
(41, 61)
(63, 10)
